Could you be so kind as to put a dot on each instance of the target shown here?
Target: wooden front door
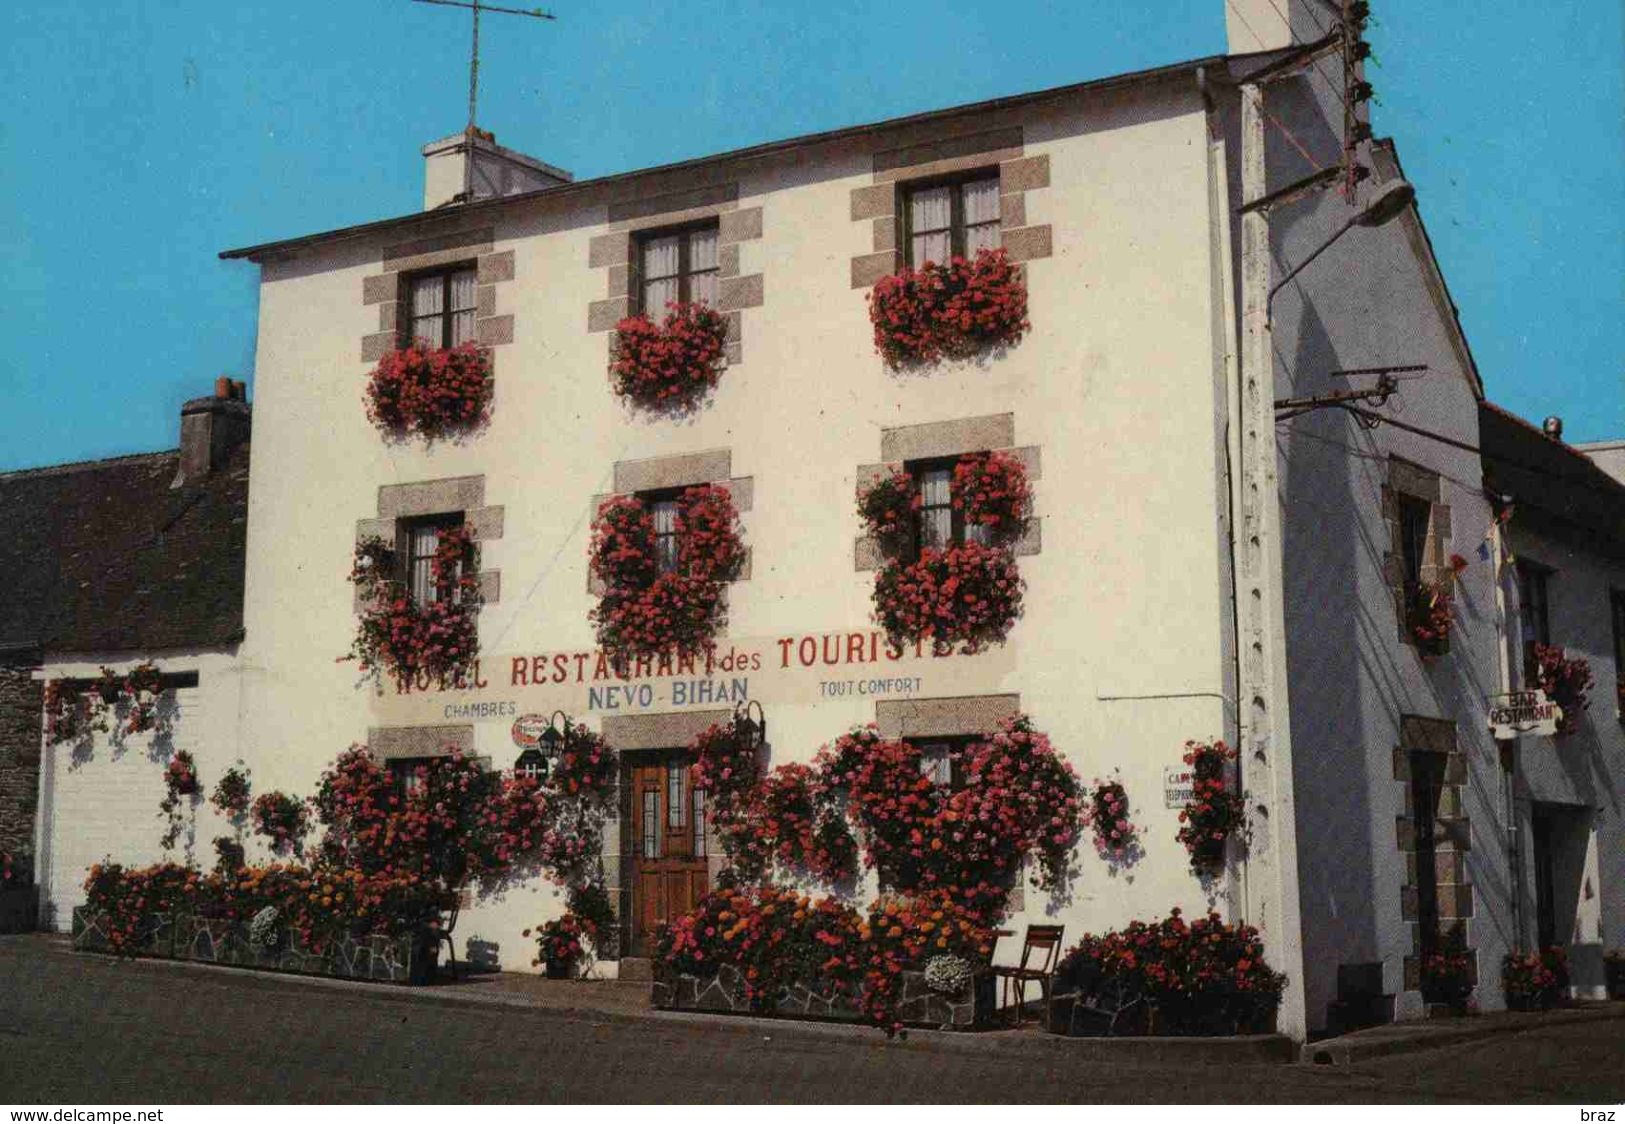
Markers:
(669, 873)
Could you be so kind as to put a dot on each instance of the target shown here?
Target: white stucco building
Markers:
(1192, 548)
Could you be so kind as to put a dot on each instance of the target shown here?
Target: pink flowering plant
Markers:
(1566, 680)
(889, 508)
(954, 310)
(181, 790)
(672, 364)
(1116, 838)
(430, 392)
(72, 714)
(1216, 811)
(967, 596)
(281, 819)
(992, 491)
(647, 611)
(435, 640)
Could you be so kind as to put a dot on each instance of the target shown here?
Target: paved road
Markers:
(87, 1030)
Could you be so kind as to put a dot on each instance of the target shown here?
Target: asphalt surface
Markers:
(83, 1030)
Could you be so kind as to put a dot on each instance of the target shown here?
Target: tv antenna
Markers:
(474, 72)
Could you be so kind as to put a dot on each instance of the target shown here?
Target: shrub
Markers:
(1535, 980)
(1204, 977)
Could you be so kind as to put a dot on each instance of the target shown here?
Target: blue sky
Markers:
(139, 139)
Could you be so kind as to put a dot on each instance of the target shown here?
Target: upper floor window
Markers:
(677, 266)
(941, 524)
(662, 507)
(1534, 615)
(421, 538)
(949, 219)
(1414, 517)
(443, 306)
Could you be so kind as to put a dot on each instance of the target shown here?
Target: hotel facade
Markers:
(1127, 402)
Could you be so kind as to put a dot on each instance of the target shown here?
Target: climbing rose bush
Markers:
(952, 311)
(967, 596)
(1215, 810)
(646, 612)
(671, 365)
(430, 392)
(437, 640)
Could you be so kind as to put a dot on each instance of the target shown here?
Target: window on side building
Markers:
(940, 759)
(1616, 600)
(1534, 613)
(953, 218)
(677, 266)
(442, 306)
(419, 538)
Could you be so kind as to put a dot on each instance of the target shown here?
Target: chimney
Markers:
(1270, 25)
(497, 171)
(210, 429)
(1553, 427)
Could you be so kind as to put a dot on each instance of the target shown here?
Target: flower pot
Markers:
(559, 969)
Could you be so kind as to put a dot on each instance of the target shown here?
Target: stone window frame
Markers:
(643, 475)
(1406, 479)
(682, 204)
(901, 446)
(446, 496)
(386, 289)
(1452, 837)
(925, 159)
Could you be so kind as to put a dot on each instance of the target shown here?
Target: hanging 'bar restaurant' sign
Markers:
(1523, 712)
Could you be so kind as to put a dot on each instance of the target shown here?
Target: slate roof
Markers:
(1551, 477)
(106, 556)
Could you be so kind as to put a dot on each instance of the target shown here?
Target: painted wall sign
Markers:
(516, 687)
(1523, 712)
(1176, 785)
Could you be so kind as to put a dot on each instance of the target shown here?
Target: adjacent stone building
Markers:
(115, 563)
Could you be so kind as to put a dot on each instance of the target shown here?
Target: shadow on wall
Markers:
(1322, 551)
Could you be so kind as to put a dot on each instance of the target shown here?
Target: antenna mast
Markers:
(474, 75)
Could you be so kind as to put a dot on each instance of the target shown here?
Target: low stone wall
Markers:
(215, 941)
(19, 910)
(919, 1005)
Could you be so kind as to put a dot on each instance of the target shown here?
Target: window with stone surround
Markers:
(1417, 559)
(677, 266)
(419, 538)
(441, 306)
(953, 218)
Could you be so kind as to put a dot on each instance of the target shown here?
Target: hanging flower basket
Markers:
(889, 508)
(992, 491)
(673, 364)
(953, 311)
(646, 612)
(1215, 811)
(281, 819)
(967, 595)
(180, 788)
(395, 634)
(1566, 681)
(430, 392)
(1429, 610)
(1116, 837)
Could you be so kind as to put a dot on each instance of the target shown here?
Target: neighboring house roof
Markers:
(1223, 67)
(1550, 477)
(107, 556)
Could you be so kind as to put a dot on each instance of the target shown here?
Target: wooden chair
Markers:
(1044, 940)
